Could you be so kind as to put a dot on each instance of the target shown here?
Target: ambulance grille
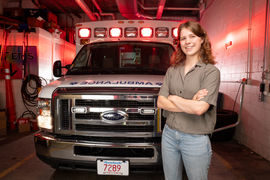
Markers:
(82, 114)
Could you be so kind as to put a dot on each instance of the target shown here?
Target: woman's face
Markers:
(190, 43)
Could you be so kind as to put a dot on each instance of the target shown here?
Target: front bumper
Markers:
(82, 154)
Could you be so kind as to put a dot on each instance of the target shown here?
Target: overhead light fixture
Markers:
(228, 44)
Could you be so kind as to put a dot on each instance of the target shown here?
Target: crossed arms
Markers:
(175, 103)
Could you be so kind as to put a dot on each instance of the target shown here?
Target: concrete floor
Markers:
(230, 161)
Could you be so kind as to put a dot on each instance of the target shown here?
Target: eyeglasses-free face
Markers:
(190, 43)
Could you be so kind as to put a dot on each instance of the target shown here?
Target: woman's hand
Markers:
(200, 94)
(170, 97)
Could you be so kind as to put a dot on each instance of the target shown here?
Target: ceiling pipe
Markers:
(168, 8)
(9, 23)
(10, 19)
(160, 8)
(97, 15)
(86, 9)
(36, 3)
(100, 11)
(128, 9)
(179, 18)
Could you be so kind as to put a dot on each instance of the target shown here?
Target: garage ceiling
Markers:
(131, 9)
(98, 10)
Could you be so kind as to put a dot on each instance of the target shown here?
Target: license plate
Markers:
(113, 167)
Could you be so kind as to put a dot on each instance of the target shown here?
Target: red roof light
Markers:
(175, 32)
(146, 32)
(84, 33)
(116, 32)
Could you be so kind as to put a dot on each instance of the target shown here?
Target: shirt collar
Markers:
(199, 63)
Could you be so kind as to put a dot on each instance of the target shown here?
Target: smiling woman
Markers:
(189, 96)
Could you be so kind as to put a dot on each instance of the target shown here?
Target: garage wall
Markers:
(227, 21)
(50, 47)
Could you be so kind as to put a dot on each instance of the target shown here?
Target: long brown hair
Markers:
(205, 55)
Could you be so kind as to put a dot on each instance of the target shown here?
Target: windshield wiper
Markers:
(149, 68)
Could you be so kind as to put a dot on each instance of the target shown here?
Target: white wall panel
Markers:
(225, 20)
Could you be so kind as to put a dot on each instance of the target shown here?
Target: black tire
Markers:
(221, 138)
(225, 118)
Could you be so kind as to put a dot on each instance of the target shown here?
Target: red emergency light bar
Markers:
(115, 32)
(129, 32)
(84, 33)
(146, 32)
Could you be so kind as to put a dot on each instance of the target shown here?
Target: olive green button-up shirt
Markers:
(201, 76)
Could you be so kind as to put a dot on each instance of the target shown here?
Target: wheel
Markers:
(225, 118)
(221, 138)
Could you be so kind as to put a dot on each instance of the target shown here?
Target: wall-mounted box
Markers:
(37, 13)
(52, 18)
(14, 12)
(34, 22)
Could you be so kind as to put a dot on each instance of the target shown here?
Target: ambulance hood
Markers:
(86, 81)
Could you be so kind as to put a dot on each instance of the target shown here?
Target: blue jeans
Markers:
(191, 150)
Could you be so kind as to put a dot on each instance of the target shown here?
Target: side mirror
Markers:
(57, 66)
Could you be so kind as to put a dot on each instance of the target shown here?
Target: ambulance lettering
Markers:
(117, 82)
(73, 83)
(159, 83)
(107, 82)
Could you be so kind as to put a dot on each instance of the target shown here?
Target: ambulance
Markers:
(101, 114)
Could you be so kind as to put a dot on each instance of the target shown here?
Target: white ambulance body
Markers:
(102, 114)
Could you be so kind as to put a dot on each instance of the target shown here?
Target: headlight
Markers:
(44, 118)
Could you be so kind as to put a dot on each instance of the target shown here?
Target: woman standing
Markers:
(189, 96)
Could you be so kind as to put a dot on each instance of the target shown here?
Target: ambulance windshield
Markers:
(122, 58)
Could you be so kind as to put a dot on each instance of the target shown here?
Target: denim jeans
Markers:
(191, 150)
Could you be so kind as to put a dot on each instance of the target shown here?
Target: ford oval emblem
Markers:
(114, 116)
